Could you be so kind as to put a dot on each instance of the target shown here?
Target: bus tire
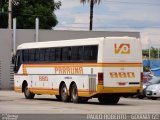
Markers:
(58, 97)
(74, 94)
(141, 96)
(84, 100)
(27, 93)
(63, 93)
(109, 100)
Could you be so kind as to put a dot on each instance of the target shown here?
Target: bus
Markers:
(77, 70)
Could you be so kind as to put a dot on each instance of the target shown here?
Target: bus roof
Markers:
(61, 43)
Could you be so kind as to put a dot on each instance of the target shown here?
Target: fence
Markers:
(154, 66)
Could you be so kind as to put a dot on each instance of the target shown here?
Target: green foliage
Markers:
(153, 53)
(26, 11)
(3, 15)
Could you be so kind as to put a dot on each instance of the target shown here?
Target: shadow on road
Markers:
(88, 103)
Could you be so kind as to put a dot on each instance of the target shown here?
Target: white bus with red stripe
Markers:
(77, 70)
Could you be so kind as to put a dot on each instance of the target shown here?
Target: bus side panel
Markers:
(19, 80)
(49, 84)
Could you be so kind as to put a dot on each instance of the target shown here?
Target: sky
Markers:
(114, 15)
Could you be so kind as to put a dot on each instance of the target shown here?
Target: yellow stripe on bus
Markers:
(44, 91)
(85, 65)
(61, 65)
(40, 90)
(18, 89)
(84, 93)
(102, 89)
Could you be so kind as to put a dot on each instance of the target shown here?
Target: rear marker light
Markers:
(100, 78)
(141, 77)
(121, 83)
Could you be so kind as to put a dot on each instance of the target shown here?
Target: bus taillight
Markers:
(141, 77)
(100, 78)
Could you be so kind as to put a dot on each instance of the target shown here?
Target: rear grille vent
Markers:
(92, 83)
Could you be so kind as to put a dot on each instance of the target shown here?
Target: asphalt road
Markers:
(15, 103)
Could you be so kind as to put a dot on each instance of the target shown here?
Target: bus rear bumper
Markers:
(120, 91)
(101, 89)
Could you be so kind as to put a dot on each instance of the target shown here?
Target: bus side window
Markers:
(80, 53)
(66, 54)
(37, 55)
(18, 61)
(52, 54)
(47, 56)
(87, 52)
(90, 53)
(58, 54)
(41, 55)
(77, 53)
(25, 56)
(31, 55)
(94, 53)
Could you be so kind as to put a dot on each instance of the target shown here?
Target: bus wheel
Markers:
(27, 93)
(108, 99)
(141, 96)
(84, 100)
(63, 93)
(58, 97)
(74, 94)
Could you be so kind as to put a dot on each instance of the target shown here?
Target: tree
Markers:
(26, 11)
(153, 53)
(3, 14)
(92, 2)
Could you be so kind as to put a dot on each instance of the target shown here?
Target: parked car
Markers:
(153, 80)
(147, 76)
(153, 91)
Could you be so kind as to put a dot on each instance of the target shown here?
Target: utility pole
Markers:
(37, 29)
(158, 53)
(10, 14)
(14, 35)
(91, 15)
(149, 48)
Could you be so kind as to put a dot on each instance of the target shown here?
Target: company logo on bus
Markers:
(122, 48)
(122, 75)
(68, 70)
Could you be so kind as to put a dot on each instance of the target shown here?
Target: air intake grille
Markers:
(92, 83)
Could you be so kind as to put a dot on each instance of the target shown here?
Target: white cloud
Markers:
(150, 37)
(82, 18)
(113, 11)
(110, 15)
(66, 8)
(131, 12)
(69, 4)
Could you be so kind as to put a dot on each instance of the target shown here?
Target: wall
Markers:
(5, 57)
(23, 36)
